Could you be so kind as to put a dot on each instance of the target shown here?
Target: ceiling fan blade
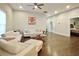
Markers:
(41, 5)
(33, 8)
(35, 3)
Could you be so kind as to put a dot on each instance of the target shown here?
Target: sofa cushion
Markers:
(11, 35)
(8, 38)
(12, 47)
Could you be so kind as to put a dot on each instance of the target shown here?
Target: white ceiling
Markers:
(49, 7)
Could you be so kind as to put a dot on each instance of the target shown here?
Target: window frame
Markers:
(5, 19)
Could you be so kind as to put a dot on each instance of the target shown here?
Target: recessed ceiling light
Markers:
(45, 11)
(67, 6)
(55, 12)
(20, 7)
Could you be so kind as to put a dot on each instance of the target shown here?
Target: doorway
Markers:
(74, 27)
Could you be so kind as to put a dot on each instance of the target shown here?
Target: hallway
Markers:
(63, 46)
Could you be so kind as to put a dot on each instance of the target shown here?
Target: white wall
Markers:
(49, 29)
(20, 21)
(9, 15)
(72, 21)
(62, 22)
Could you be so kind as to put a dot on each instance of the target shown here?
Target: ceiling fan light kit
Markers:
(36, 5)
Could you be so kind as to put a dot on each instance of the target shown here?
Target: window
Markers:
(2, 22)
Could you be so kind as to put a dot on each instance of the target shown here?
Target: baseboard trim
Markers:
(59, 34)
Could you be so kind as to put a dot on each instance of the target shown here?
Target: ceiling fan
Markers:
(36, 5)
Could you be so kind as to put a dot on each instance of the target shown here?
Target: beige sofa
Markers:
(16, 48)
(32, 33)
(12, 35)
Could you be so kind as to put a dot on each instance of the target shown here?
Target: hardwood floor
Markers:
(63, 46)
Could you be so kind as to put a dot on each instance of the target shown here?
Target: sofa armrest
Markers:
(33, 48)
